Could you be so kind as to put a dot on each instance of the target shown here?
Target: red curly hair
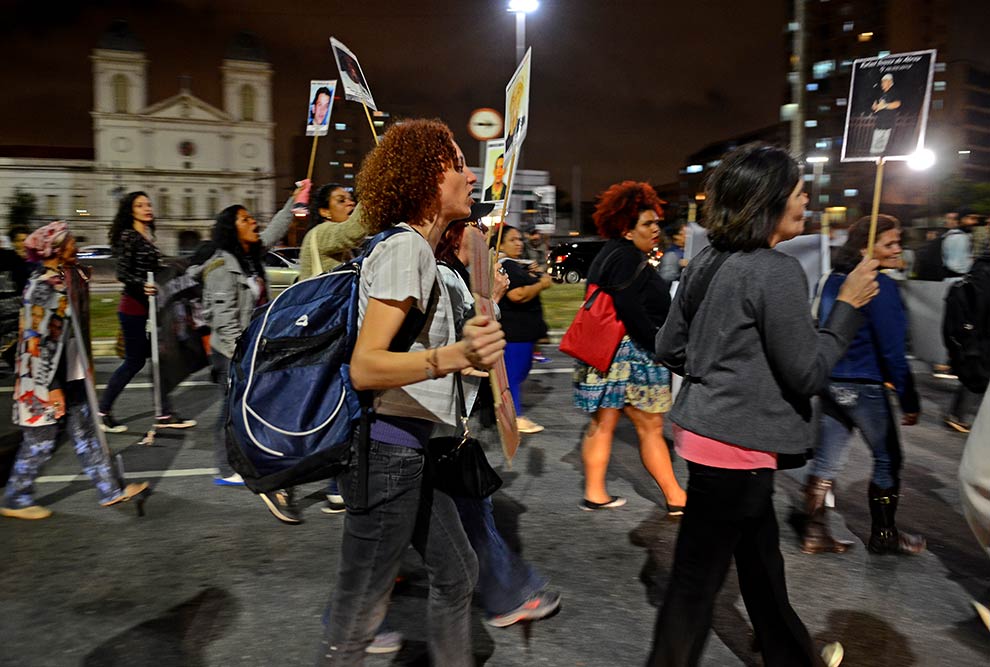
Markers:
(400, 178)
(619, 207)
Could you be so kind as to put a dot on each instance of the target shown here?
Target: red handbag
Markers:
(596, 331)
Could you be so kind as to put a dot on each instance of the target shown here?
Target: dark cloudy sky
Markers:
(622, 88)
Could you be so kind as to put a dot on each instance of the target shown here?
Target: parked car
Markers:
(95, 252)
(281, 270)
(569, 261)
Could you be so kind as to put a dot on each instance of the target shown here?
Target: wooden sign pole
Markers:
(371, 124)
(312, 158)
(876, 208)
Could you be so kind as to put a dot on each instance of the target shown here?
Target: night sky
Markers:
(622, 88)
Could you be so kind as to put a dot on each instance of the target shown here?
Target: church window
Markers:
(247, 102)
(120, 93)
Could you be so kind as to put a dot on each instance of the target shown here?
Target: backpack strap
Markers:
(698, 291)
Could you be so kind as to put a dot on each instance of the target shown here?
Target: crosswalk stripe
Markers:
(142, 474)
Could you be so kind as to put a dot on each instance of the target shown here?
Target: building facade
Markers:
(192, 158)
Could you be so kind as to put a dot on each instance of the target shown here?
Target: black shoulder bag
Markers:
(458, 465)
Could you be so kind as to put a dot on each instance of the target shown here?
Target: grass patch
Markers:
(560, 302)
(103, 321)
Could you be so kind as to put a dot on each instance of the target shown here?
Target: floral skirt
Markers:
(633, 379)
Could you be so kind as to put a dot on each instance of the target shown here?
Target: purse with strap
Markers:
(458, 465)
(596, 332)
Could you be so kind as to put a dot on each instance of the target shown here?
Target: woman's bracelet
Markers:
(433, 367)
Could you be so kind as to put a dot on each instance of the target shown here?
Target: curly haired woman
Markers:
(629, 215)
(415, 180)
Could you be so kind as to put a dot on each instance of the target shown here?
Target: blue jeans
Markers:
(505, 580)
(729, 515)
(518, 362)
(221, 372)
(39, 444)
(137, 348)
(402, 509)
(848, 405)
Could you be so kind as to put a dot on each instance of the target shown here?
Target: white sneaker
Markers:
(832, 654)
(233, 480)
(526, 425)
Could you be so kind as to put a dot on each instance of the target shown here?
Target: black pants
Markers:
(729, 513)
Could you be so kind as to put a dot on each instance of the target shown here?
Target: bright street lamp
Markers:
(921, 159)
(520, 8)
(523, 6)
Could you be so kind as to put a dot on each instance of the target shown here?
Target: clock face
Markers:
(187, 149)
(485, 124)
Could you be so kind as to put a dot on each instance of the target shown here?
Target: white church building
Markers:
(192, 158)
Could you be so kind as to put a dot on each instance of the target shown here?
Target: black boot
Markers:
(817, 538)
(885, 538)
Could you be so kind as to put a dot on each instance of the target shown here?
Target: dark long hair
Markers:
(321, 200)
(746, 195)
(849, 255)
(124, 219)
(225, 236)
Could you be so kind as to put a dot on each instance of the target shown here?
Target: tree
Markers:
(21, 208)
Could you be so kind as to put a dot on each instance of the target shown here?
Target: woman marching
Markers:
(234, 284)
(416, 180)
(855, 398)
(522, 318)
(133, 242)
(628, 214)
(50, 385)
(741, 334)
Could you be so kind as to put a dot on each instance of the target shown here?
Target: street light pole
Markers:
(520, 8)
(520, 36)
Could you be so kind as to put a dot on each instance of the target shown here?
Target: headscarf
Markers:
(45, 242)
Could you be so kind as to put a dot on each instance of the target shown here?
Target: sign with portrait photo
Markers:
(517, 108)
(493, 184)
(320, 104)
(887, 110)
(352, 78)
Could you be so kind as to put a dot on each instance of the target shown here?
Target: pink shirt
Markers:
(717, 454)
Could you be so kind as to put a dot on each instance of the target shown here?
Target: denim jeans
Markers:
(221, 372)
(848, 405)
(401, 510)
(964, 404)
(518, 362)
(729, 513)
(505, 580)
(137, 348)
(39, 444)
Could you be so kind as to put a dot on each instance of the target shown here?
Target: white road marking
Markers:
(137, 385)
(144, 474)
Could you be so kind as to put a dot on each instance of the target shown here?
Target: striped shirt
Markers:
(400, 267)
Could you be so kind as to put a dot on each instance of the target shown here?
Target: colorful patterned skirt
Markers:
(633, 379)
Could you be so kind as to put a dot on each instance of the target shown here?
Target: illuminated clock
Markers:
(485, 124)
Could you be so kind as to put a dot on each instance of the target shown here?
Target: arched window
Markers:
(120, 93)
(247, 102)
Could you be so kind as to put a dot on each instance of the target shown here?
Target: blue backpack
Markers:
(291, 407)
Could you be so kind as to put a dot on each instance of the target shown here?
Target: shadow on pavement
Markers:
(868, 641)
(178, 638)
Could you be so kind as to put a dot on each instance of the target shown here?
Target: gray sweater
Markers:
(227, 300)
(752, 356)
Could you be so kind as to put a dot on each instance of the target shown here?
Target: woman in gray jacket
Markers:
(234, 284)
(740, 332)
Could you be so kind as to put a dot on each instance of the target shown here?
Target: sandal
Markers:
(614, 501)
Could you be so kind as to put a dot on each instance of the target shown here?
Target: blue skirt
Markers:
(633, 379)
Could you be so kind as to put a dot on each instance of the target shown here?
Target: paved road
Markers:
(209, 578)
